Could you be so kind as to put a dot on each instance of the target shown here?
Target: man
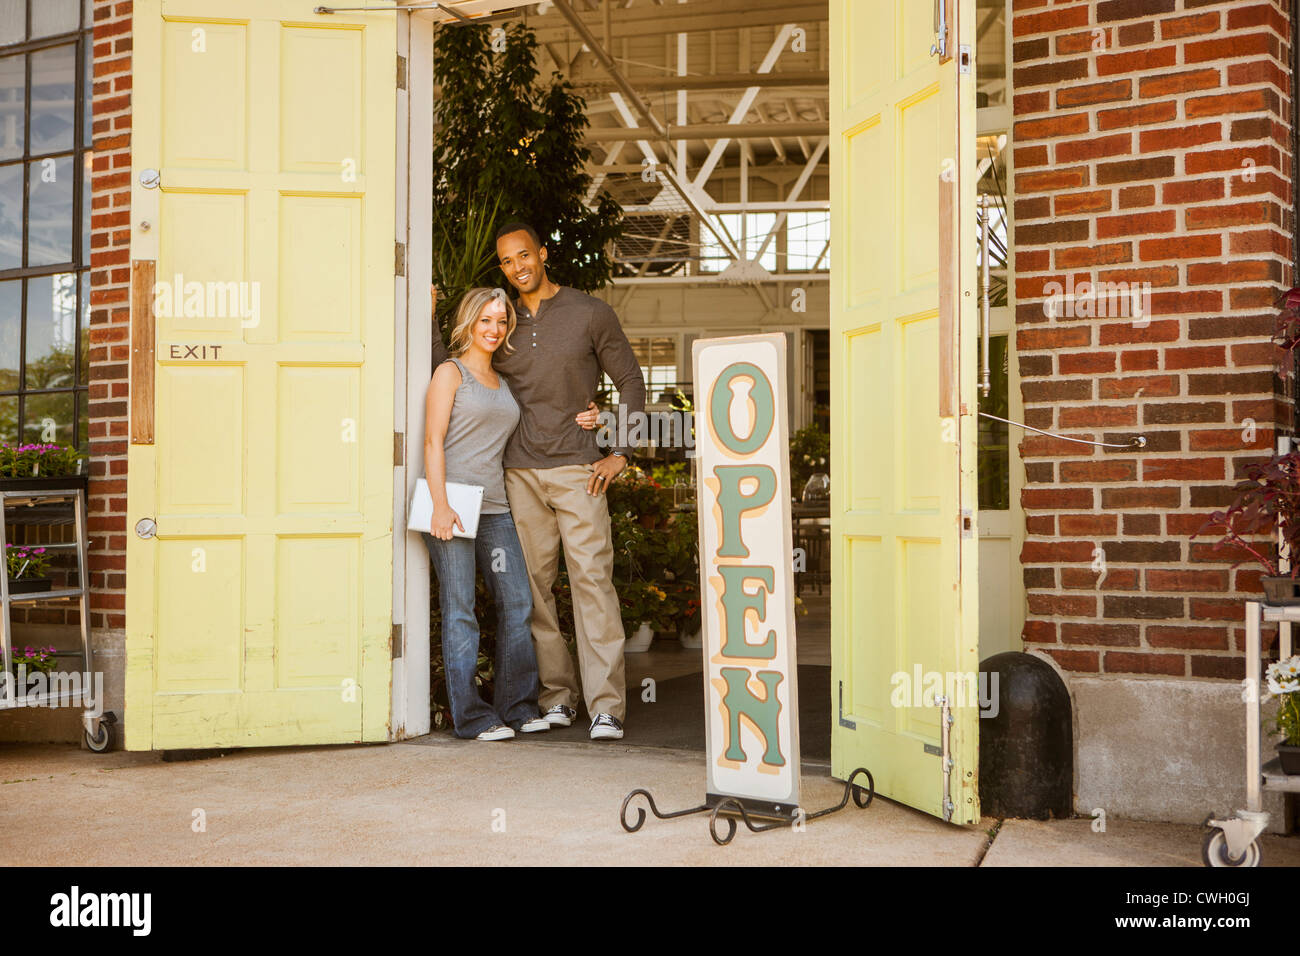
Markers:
(556, 477)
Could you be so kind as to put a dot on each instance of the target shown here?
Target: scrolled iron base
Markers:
(640, 814)
(728, 809)
(732, 807)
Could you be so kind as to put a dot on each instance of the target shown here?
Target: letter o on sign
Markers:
(764, 408)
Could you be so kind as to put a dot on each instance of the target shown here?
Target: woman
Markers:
(469, 415)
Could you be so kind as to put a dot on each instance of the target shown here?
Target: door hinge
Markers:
(395, 643)
(401, 72)
(844, 721)
(945, 728)
(399, 449)
(399, 259)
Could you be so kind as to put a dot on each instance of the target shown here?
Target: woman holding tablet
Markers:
(469, 415)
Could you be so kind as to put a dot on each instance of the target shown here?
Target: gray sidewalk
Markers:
(438, 800)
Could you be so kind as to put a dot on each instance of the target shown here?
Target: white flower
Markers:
(1276, 686)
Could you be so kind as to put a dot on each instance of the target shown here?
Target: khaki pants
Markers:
(550, 506)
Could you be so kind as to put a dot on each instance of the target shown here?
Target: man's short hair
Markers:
(516, 225)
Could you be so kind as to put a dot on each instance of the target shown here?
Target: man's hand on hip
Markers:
(603, 472)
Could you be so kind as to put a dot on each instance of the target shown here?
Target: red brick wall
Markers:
(1136, 126)
(110, 311)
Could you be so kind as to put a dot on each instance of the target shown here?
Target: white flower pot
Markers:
(639, 642)
(693, 641)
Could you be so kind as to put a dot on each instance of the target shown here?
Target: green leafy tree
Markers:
(509, 146)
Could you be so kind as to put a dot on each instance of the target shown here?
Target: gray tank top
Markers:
(482, 420)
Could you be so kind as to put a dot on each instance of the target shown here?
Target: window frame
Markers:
(79, 266)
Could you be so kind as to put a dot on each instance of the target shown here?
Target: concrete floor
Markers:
(444, 801)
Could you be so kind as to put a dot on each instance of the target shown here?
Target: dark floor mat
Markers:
(676, 718)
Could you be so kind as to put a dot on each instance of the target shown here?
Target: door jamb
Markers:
(413, 330)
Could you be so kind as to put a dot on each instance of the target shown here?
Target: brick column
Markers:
(1151, 145)
(110, 312)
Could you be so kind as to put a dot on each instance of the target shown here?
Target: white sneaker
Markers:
(534, 725)
(606, 727)
(560, 716)
(496, 732)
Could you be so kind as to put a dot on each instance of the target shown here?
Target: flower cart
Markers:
(37, 489)
(1235, 842)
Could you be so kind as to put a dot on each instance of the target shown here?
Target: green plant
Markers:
(1267, 499)
(1284, 680)
(656, 554)
(35, 659)
(32, 461)
(23, 563)
(501, 132)
(810, 452)
(463, 254)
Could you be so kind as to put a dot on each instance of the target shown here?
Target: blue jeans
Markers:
(499, 556)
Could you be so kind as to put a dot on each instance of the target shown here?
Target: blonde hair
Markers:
(468, 312)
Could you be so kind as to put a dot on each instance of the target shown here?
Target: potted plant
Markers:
(1284, 681)
(810, 454)
(1268, 499)
(34, 659)
(26, 466)
(643, 605)
(27, 568)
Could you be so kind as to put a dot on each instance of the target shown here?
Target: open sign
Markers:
(746, 577)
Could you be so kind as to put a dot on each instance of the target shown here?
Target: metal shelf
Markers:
(73, 494)
(60, 595)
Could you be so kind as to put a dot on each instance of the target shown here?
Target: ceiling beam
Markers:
(720, 131)
(722, 81)
(683, 191)
(714, 15)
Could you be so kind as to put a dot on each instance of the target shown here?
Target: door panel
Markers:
(261, 612)
(904, 605)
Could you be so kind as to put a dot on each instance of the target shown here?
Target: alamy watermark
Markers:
(1098, 300)
(961, 688)
(80, 689)
(626, 429)
(208, 300)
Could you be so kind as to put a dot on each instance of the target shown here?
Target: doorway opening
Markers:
(742, 244)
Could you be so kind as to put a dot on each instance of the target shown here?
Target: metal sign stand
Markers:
(729, 808)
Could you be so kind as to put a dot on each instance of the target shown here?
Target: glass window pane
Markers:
(49, 212)
(11, 319)
(83, 356)
(13, 81)
(48, 418)
(51, 330)
(55, 16)
(807, 234)
(54, 90)
(83, 422)
(757, 225)
(13, 21)
(88, 87)
(11, 216)
(88, 159)
(9, 418)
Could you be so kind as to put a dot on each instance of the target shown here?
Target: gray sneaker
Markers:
(534, 725)
(496, 732)
(560, 716)
(606, 727)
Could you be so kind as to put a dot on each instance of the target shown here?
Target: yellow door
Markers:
(903, 311)
(259, 612)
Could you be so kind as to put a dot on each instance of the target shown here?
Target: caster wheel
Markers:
(1214, 852)
(102, 741)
